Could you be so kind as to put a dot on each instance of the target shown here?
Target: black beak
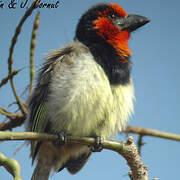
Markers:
(131, 22)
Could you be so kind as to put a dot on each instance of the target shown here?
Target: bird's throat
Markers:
(120, 44)
(115, 66)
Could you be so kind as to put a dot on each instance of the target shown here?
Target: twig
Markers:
(126, 149)
(11, 50)
(5, 80)
(27, 136)
(151, 132)
(14, 122)
(32, 49)
(8, 114)
(140, 143)
(11, 165)
(138, 169)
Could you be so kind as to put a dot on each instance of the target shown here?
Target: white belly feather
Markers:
(83, 103)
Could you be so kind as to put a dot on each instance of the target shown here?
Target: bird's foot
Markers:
(62, 139)
(98, 144)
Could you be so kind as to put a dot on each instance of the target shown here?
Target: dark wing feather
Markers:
(37, 104)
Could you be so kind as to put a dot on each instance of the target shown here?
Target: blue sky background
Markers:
(156, 72)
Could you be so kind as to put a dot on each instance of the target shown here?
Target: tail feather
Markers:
(75, 165)
(41, 172)
(50, 158)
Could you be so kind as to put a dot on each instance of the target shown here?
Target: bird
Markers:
(83, 89)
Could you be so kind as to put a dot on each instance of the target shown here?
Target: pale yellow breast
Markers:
(84, 103)
(123, 103)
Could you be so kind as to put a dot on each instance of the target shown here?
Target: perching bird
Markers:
(84, 89)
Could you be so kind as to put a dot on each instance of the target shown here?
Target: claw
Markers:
(62, 139)
(98, 144)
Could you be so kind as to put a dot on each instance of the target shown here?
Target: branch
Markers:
(11, 165)
(14, 122)
(9, 114)
(9, 76)
(140, 143)
(11, 50)
(126, 149)
(150, 132)
(32, 49)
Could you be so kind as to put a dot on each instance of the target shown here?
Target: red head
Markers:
(111, 23)
(105, 29)
(110, 32)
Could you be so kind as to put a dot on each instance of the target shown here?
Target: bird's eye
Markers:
(112, 15)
